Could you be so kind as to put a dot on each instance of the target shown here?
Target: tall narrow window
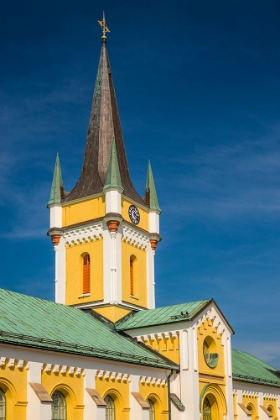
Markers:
(86, 274)
(58, 406)
(151, 410)
(110, 409)
(2, 405)
(132, 264)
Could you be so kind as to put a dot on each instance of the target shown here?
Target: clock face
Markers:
(134, 214)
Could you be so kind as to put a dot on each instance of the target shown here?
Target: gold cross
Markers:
(104, 27)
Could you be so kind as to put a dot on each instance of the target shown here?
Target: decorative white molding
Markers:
(3, 361)
(84, 234)
(135, 238)
(11, 363)
(20, 364)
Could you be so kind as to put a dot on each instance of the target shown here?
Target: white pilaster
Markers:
(113, 200)
(55, 216)
(35, 408)
(107, 265)
(153, 221)
(113, 267)
(150, 277)
(91, 410)
(60, 271)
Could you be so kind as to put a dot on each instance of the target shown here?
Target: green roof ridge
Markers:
(150, 191)
(113, 178)
(57, 184)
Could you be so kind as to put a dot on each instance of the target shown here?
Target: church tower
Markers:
(104, 234)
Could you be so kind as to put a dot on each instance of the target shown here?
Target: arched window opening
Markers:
(110, 409)
(86, 274)
(58, 406)
(2, 405)
(151, 410)
(132, 265)
(206, 410)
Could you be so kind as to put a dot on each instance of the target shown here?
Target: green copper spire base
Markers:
(57, 184)
(113, 178)
(150, 192)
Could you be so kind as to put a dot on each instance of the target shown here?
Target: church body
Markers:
(102, 350)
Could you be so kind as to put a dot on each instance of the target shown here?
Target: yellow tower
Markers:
(104, 233)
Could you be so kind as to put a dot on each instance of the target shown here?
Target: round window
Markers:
(211, 357)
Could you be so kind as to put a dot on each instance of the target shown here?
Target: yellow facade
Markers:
(212, 377)
(139, 296)
(144, 214)
(112, 312)
(82, 211)
(74, 272)
(13, 382)
(271, 405)
(71, 386)
(159, 396)
(252, 404)
(119, 392)
(168, 346)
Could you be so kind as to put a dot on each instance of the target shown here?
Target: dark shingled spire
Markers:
(104, 124)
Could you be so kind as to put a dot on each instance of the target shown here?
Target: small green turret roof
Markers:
(113, 178)
(150, 192)
(57, 184)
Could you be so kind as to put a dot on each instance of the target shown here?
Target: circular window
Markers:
(211, 357)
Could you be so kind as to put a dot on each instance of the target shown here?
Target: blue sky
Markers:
(198, 90)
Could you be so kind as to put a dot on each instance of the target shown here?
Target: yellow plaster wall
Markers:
(271, 402)
(83, 211)
(119, 391)
(13, 382)
(207, 329)
(71, 386)
(168, 347)
(140, 297)
(74, 272)
(112, 312)
(159, 395)
(248, 399)
(144, 215)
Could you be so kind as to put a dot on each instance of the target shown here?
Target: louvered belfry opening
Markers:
(86, 274)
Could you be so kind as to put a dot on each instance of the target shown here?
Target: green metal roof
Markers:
(247, 368)
(113, 178)
(57, 184)
(151, 189)
(33, 322)
(159, 316)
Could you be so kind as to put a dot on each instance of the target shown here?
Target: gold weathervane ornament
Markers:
(104, 27)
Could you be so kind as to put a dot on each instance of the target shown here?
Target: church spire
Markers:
(150, 192)
(57, 184)
(104, 124)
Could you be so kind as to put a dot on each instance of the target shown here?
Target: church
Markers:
(102, 350)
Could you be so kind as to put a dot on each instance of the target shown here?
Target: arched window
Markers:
(151, 410)
(110, 409)
(132, 265)
(58, 406)
(86, 274)
(206, 410)
(2, 405)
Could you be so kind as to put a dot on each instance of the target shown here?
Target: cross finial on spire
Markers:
(104, 28)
